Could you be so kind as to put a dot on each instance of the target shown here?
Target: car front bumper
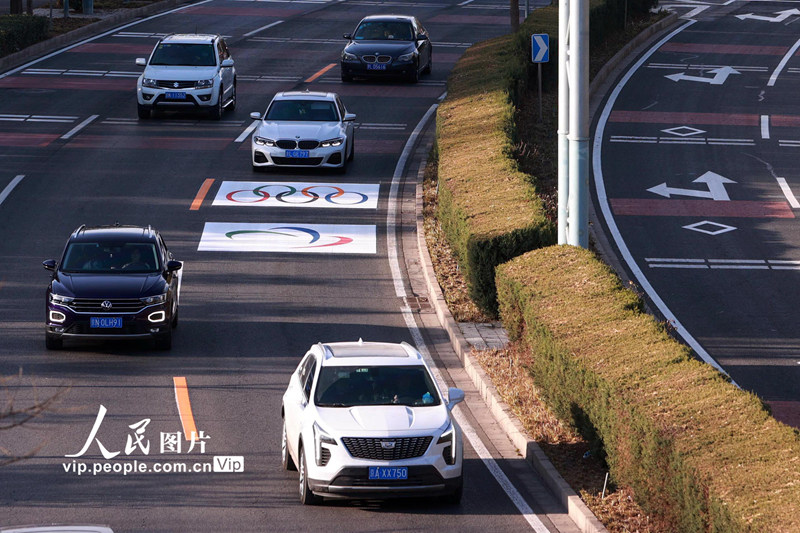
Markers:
(193, 98)
(359, 69)
(272, 156)
(142, 324)
(354, 483)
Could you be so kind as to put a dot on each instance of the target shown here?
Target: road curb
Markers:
(578, 512)
(90, 30)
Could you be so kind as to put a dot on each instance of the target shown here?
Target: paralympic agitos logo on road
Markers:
(288, 194)
(293, 232)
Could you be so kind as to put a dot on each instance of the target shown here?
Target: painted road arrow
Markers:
(716, 188)
(782, 15)
(720, 75)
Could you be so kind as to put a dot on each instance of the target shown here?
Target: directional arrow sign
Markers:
(714, 182)
(782, 15)
(540, 48)
(720, 75)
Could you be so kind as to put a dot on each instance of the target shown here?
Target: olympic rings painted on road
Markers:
(315, 235)
(286, 196)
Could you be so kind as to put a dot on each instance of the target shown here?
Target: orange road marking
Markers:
(320, 73)
(201, 194)
(184, 407)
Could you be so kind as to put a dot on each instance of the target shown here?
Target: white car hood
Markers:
(383, 418)
(305, 130)
(179, 73)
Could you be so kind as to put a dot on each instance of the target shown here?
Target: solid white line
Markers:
(79, 127)
(612, 224)
(673, 265)
(465, 3)
(765, 126)
(742, 267)
(787, 192)
(247, 131)
(262, 28)
(789, 55)
(10, 187)
(738, 261)
(673, 260)
(783, 262)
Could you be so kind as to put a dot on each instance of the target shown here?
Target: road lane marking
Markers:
(787, 192)
(201, 194)
(297, 194)
(723, 264)
(184, 408)
(703, 208)
(79, 127)
(10, 187)
(320, 73)
(247, 131)
(262, 28)
(782, 64)
(765, 126)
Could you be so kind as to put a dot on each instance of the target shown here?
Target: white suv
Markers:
(366, 420)
(187, 71)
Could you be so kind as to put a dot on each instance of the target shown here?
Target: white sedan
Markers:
(366, 420)
(303, 129)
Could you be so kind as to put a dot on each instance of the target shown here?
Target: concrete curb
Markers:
(90, 30)
(578, 512)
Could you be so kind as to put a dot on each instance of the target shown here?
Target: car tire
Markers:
(413, 77)
(143, 111)
(346, 77)
(174, 322)
(53, 342)
(218, 109)
(306, 496)
(429, 66)
(164, 341)
(352, 149)
(454, 498)
(286, 458)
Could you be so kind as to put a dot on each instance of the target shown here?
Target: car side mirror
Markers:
(348, 36)
(227, 63)
(349, 117)
(422, 37)
(50, 265)
(255, 115)
(455, 396)
(173, 265)
(141, 62)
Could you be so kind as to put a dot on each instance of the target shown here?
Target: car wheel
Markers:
(286, 457)
(306, 496)
(413, 77)
(143, 111)
(232, 103)
(429, 66)
(174, 322)
(218, 109)
(346, 77)
(352, 149)
(53, 342)
(454, 498)
(164, 341)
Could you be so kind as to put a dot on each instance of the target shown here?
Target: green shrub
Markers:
(20, 31)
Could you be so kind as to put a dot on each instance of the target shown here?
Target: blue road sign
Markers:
(540, 48)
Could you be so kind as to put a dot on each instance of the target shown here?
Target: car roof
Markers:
(404, 18)
(305, 95)
(114, 233)
(193, 38)
(369, 353)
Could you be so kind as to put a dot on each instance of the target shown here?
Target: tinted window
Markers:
(309, 380)
(192, 55)
(130, 257)
(384, 30)
(346, 386)
(302, 110)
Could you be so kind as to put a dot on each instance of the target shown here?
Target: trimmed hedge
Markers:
(700, 454)
(20, 31)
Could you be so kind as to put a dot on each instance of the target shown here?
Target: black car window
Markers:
(302, 110)
(183, 54)
(137, 257)
(384, 30)
(304, 367)
(347, 386)
(309, 383)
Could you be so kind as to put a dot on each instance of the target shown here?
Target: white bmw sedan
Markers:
(366, 420)
(304, 129)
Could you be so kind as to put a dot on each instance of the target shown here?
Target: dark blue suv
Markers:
(113, 282)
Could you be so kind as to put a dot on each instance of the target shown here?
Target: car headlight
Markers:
(346, 56)
(263, 141)
(157, 299)
(60, 300)
(150, 82)
(406, 58)
(332, 142)
(448, 438)
(321, 456)
(203, 84)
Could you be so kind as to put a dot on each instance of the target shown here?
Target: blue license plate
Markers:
(386, 472)
(175, 95)
(105, 322)
(297, 153)
(376, 66)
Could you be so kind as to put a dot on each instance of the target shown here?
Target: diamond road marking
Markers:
(699, 227)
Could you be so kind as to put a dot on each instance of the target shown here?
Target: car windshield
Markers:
(384, 30)
(349, 386)
(183, 54)
(122, 258)
(302, 110)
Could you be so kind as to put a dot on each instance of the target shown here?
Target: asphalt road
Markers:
(695, 170)
(72, 152)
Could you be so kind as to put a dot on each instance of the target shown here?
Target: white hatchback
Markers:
(303, 129)
(366, 420)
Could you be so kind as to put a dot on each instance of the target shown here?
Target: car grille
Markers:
(307, 145)
(325, 456)
(286, 144)
(85, 329)
(171, 84)
(359, 477)
(298, 162)
(95, 305)
(377, 59)
(404, 448)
